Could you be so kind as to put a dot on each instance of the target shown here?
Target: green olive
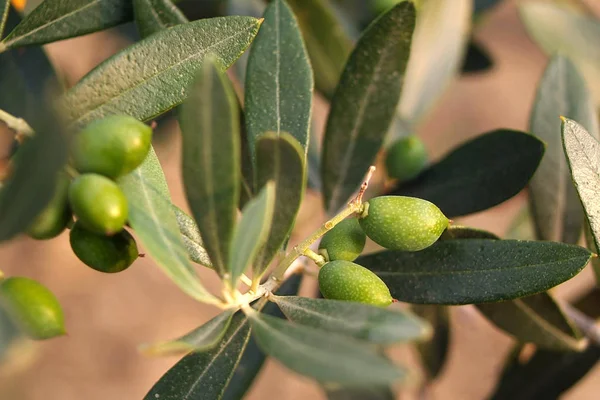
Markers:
(112, 146)
(103, 253)
(345, 241)
(402, 223)
(406, 158)
(56, 216)
(98, 203)
(33, 307)
(345, 280)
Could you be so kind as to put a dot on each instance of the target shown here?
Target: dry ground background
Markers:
(108, 316)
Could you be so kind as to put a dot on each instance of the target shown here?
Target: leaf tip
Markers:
(563, 119)
(260, 21)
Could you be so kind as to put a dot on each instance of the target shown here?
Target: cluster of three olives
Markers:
(394, 222)
(103, 151)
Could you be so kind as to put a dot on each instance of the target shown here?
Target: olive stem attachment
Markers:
(317, 258)
(289, 265)
(19, 125)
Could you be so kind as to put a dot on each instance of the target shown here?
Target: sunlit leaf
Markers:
(171, 60)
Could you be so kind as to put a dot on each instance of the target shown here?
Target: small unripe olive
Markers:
(103, 253)
(56, 216)
(345, 280)
(402, 223)
(33, 307)
(98, 203)
(345, 241)
(406, 158)
(112, 146)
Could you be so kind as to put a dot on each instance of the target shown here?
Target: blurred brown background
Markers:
(108, 316)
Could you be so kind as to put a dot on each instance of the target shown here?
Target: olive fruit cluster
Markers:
(103, 151)
(32, 307)
(394, 222)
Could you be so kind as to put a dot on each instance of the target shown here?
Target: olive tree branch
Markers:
(19, 125)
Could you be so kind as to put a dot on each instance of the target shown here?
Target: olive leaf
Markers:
(479, 174)
(582, 151)
(327, 43)
(207, 374)
(364, 103)
(55, 20)
(211, 160)
(537, 319)
(439, 43)
(364, 322)
(476, 270)
(281, 159)
(279, 82)
(172, 59)
(32, 182)
(154, 15)
(560, 29)
(252, 231)
(152, 217)
(434, 352)
(555, 206)
(203, 338)
(321, 355)
(4, 10)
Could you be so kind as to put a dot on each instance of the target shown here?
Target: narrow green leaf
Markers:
(211, 160)
(439, 43)
(203, 338)
(171, 59)
(536, 319)
(281, 159)
(479, 174)
(205, 375)
(55, 20)
(582, 150)
(253, 358)
(4, 10)
(321, 355)
(31, 184)
(151, 216)
(279, 79)
(476, 270)
(368, 393)
(373, 324)
(364, 103)
(465, 232)
(555, 206)
(152, 16)
(252, 231)
(560, 29)
(434, 352)
(191, 238)
(327, 43)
